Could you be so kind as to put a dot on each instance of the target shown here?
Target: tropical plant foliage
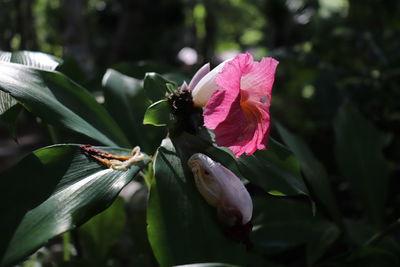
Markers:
(325, 193)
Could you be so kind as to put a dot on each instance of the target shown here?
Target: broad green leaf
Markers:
(59, 101)
(315, 173)
(127, 102)
(275, 169)
(32, 59)
(53, 190)
(6, 102)
(182, 227)
(359, 154)
(155, 86)
(158, 114)
(5, 56)
(100, 233)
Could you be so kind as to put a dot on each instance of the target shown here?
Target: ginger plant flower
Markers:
(203, 84)
(222, 189)
(237, 97)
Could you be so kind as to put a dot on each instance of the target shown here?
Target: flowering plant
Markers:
(237, 97)
(200, 200)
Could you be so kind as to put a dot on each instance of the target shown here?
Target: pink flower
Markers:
(238, 109)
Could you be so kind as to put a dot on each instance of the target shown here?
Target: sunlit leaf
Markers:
(59, 101)
(6, 102)
(32, 59)
(53, 190)
(158, 114)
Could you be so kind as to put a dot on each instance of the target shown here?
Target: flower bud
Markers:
(204, 88)
(222, 189)
(199, 75)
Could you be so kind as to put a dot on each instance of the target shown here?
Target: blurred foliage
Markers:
(336, 92)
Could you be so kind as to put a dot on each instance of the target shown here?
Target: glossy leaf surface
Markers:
(52, 190)
(32, 59)
(59, 101)
(158, 114)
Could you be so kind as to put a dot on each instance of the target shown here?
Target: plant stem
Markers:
(66, 237)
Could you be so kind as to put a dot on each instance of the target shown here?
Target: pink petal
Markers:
(218, 107)
(260, 79)
(229, 77)
(243, 132)
(238, 111)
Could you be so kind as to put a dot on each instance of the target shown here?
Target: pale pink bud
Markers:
(204, 88)
(222, 189)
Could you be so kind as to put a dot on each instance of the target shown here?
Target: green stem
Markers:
(379, 235)
(66, 237)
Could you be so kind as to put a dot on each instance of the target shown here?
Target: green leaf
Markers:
(51, 191)
(59, 101)
(33, 59)
(359, 154)
(182, 227)
(6, 102)
(100, 233)
(315, 173)
(127, 102)
(155, 86)
(159, 114)
(275, 169)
